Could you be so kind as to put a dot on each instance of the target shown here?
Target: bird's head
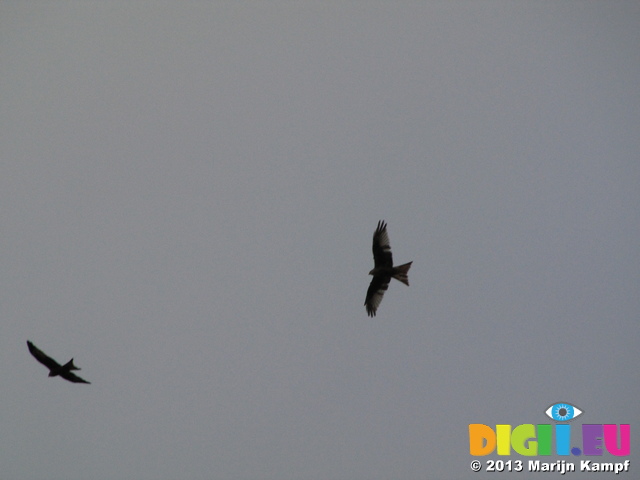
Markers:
(373, 271)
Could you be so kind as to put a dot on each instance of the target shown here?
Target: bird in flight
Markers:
(55, 369)
(383, 270)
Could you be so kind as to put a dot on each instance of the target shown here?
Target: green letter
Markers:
(522, 435)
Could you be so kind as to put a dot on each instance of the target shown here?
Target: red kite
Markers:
(383, 270)
(54, 367)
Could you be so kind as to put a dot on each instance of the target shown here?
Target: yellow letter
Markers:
(503, 432)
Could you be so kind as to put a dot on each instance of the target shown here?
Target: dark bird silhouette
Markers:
(383, 270)
(55, 369)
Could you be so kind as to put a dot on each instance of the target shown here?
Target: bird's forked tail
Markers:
(69, 366)
(401, 273)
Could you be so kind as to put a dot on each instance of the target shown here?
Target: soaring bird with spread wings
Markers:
(383, 270)
(54, 367)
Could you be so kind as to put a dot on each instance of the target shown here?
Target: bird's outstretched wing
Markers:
(72, 377)
(48, 362)
(381, 249)
(377, 287)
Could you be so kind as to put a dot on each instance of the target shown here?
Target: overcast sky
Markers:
(188, 192)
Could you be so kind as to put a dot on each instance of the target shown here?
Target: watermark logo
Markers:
(531, 440)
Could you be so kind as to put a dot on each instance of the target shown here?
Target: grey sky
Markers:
(188, 192)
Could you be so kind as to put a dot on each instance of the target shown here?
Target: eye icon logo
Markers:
(563, 412)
